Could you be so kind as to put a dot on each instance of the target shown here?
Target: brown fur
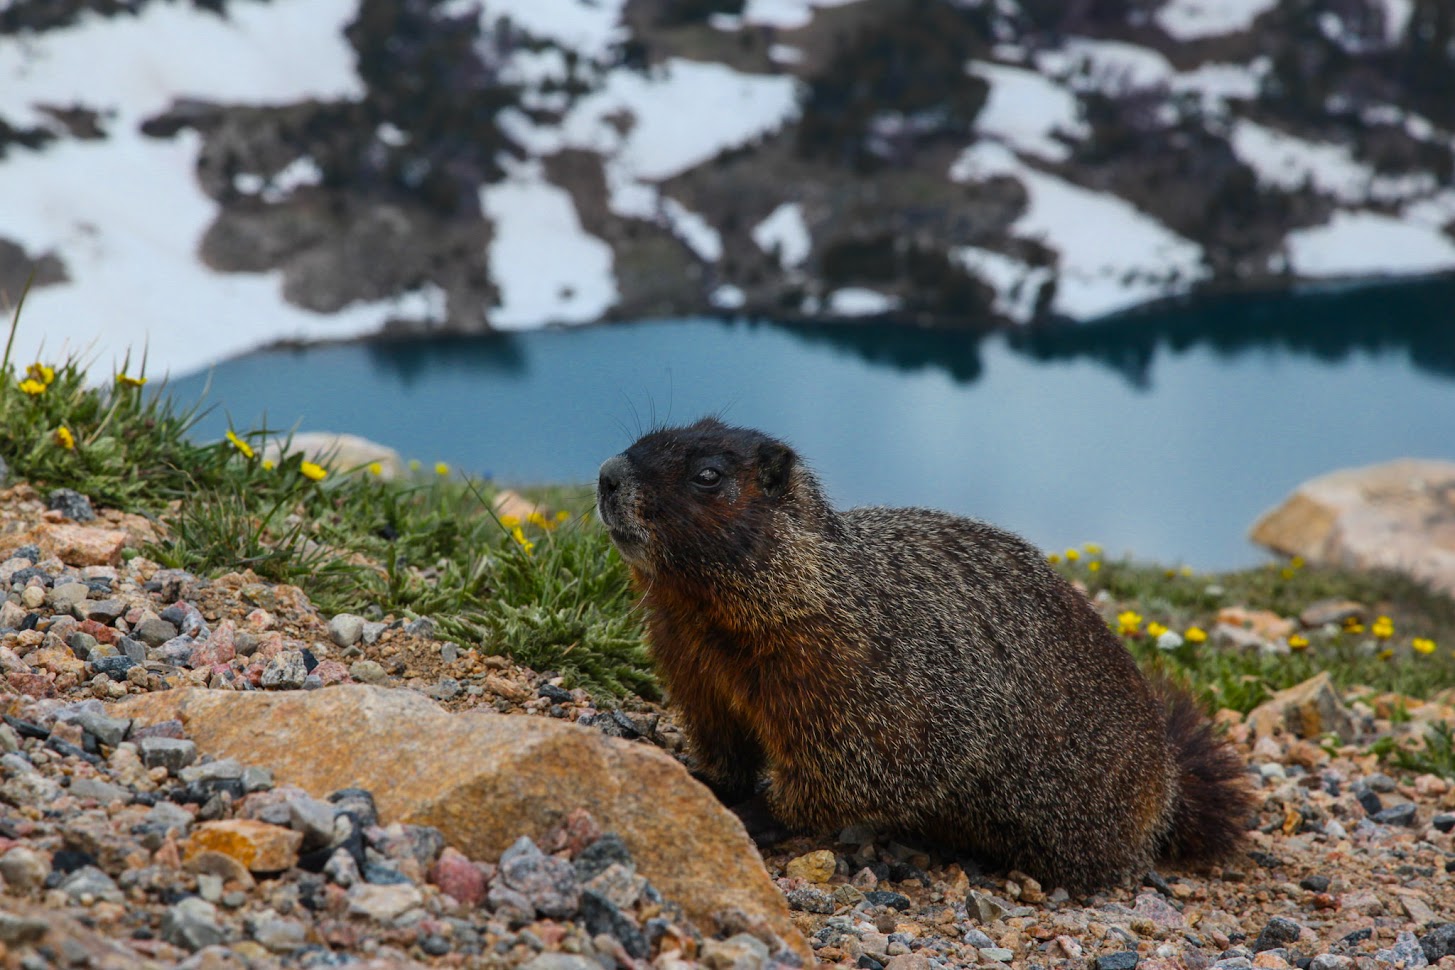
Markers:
(911, 669)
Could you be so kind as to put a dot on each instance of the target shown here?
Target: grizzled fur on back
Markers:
(919, 671)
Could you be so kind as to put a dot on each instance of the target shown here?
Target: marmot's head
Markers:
(694, 501)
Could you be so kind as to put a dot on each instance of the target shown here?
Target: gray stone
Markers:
(174, 754)
(89, 881)
(422, 627)
(997, 954)
(1404, 814)
(192, 924)
(1406, 952)
(222, 769)
(1332, 961)
(373, 631)
(740, 952)
(105, 611)
(67, 596)
(313, 818)
(83, 645)
(548, 884)
(114, 667)
(810, 900)
(110, 731)
(383, 904)
(974, 936)
(169, 817)
(133, 648)
(256, 779)
(24, 868)
(154, 631)
(102, 791)
(1437, 944)
(346, 629)
(72, 504)
(559, 961)
(20, 930)
(1124, 960)
(286, 671)
(279, 935)
(25, 785)
(1278, 931)
(11, 615)
(342, 868)
(367, 672)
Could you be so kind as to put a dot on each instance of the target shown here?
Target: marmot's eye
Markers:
(707, 478)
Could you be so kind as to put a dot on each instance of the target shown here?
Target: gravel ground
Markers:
(121, 846)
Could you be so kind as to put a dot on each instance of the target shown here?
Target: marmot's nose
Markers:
(613, 471)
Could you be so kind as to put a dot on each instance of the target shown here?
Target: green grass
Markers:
(552, 594)
(555, 595)
(1433, 754)
(1241, 679)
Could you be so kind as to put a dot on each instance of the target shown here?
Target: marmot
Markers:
(927, 674)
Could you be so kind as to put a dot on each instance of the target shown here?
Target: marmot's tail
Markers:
(1214, 799)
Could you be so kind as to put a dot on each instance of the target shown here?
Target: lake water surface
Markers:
(1163, 434)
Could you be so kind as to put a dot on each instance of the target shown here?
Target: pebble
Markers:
(90, 883)
(1406, 952)
(24, 868)
(286, 671)
(192, 924)
(346, 629)
(1277, 932)
(545, 884)
(154, 631)
(817, 866)
(383, 904)
(72, 504)
(1123, 960)
(367, 672)
(1404, 814)
(172, 754)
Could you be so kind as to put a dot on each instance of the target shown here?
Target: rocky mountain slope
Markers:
(235, 172)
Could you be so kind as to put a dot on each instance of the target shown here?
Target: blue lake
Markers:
(1162, 434)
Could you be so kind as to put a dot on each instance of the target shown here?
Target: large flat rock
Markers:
(1398, 516)
(484, 779)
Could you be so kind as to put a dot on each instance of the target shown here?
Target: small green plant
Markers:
(1434, 754)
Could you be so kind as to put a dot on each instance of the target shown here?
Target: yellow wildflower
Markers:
(40, 372)
(269, 464)
(1186, 570)
(376, 468)
(414, 464)
(1352, 625)
(1296, 562)
(1423, 645)
(440, 468)
(316, 472)
(562, 515)
(241, 445)
(510, 521)
(1298, 642)
(32, 387)
(1128, 622)
(1195, 634)
(1155, 629)
(1094, 566)
(525, 543)
(1287, 573)
(126, 380)
(1053, 558)
(1385, 654)
(1072, 555)
(65, 439)
(1092, 549)
(1383, 628)
(537, 519)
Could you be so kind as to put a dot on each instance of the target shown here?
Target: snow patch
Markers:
(691, 228)
(786, 14)
(590, 27)
(727, 297)
(785, 229)
(1196, 19)
(1111, 66)
(134, 66)
(125, 215)
(1112, 255)
(1025, 110)
(857, 301)
(1361, 243)
(1287, 162)
(548, 269)
(1397, 15)
(1017, 284)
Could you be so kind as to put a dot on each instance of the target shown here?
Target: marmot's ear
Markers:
(775, 467)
